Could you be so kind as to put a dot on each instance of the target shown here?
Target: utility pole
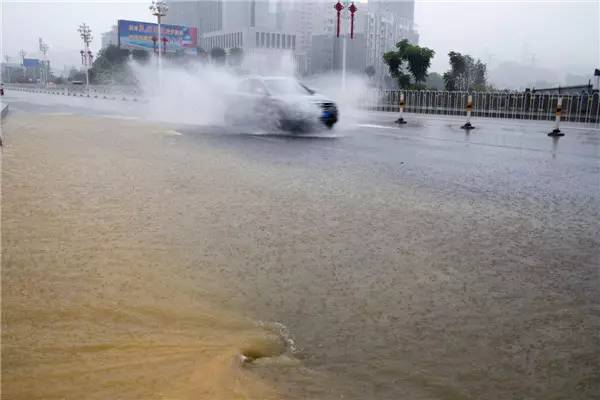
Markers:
(86, 55)
(159, 9)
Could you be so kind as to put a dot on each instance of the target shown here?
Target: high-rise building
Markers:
(259, 27)
(206, 15)
(304, 28)
(110, 37)
(388, 22)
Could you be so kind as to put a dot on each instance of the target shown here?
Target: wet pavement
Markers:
(419, 261)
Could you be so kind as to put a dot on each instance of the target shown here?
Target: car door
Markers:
(249, 99)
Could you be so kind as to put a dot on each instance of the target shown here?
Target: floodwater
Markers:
(139, 263)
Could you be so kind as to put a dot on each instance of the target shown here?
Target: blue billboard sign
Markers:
(31, 62)
(136, 35)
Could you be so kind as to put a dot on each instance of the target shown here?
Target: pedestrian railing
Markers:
(583, 107)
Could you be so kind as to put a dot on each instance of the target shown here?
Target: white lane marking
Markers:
(377, 126)
(115, 116)
(57, 113)
(172, 133)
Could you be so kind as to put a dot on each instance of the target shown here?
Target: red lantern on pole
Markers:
(338, 7)
(352, 9)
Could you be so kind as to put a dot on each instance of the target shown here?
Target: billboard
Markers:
(143, 36)
(31, 62)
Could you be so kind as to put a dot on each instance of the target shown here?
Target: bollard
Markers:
(556, 131)
(469, 108)
(401, 119)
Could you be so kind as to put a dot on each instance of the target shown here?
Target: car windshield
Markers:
(285, 86)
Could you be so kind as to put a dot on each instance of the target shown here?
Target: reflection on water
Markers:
(139, 264)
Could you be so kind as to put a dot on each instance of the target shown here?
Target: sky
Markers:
(557, 35)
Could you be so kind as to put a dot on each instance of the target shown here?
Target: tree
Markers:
(408, 61)
(114, 54)
(434, 81)
(465, 73)
(76, 75)
(141, 56)
(111, 66)
(236, 57)
(217, 54)
(370, 71)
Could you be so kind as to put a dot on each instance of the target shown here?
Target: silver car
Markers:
(278, 102)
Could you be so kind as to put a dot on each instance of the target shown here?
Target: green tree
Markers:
(114, 54)
(465, 73)
(236, 57)
(435, 81)
(141, 56)
(408, 61)
(111, 66)
(217, 54)
(202, 54)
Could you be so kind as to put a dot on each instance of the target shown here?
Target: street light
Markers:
(45, 64)
(345, 11)
(86, 55)
(159, 9)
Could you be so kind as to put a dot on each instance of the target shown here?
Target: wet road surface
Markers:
(371, 261)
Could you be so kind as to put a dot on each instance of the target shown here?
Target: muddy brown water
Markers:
(137, 263)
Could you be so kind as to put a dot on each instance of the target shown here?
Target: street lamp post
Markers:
(45, 65)
(345, 11)
(159, 9)
(86, 55)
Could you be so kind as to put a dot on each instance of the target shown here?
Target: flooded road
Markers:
(149, 261)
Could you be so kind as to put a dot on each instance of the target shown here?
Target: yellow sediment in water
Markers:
(94, 301)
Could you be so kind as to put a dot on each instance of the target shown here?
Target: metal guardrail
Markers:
(581, 108)
(94, 92)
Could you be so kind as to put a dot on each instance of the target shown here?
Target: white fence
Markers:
(96, 91)
(583, 108)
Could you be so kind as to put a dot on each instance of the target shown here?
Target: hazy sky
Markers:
(556, 34)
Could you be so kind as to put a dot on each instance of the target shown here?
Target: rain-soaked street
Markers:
(143, 259)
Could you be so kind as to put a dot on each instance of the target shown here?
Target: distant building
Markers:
(383, 32)
(321, 54)
(110, 37)
(355, 54)
(306, 29)
(259, 27)
(12, 72)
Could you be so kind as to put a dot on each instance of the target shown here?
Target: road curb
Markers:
(2, 115)
(4, 111)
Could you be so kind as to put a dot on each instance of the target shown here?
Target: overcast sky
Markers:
(559, 35)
